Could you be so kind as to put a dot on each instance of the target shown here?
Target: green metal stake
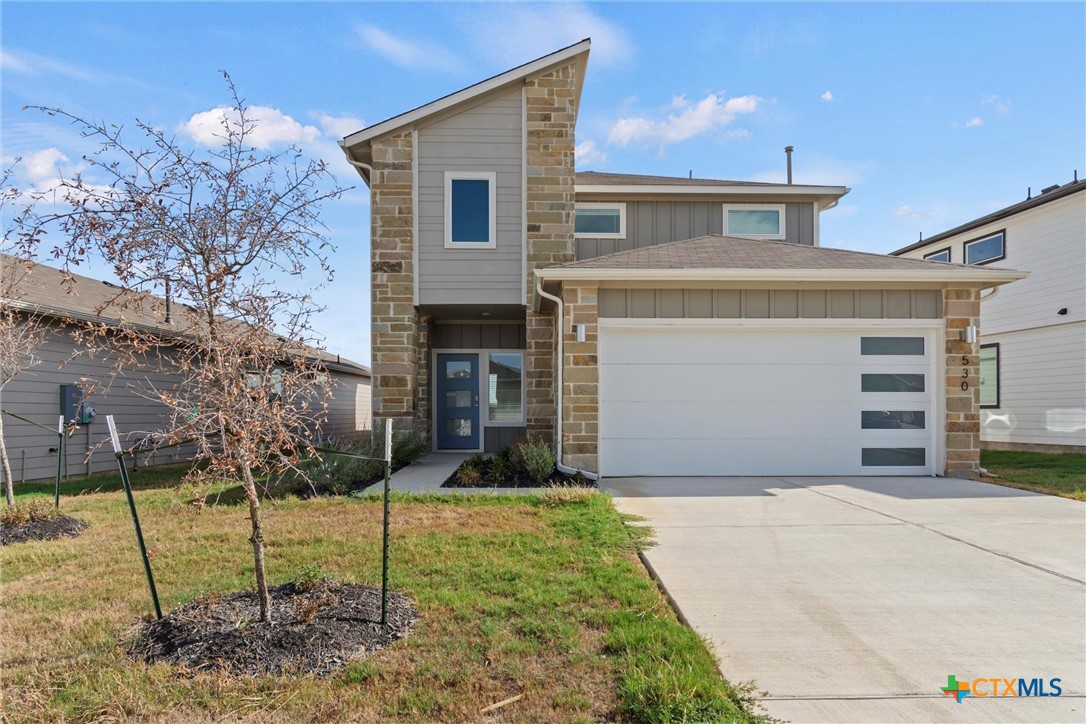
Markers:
(384, 546)
(60, 453)
(132, 508)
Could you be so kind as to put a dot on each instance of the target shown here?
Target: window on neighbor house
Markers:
(600, 221)
(505, 387)
(470, 210)
(941, 255)
(989, 375)
(759, 221)
(986, 249)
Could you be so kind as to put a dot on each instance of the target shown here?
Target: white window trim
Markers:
(482, 390)
(490, 176)
(1002, 234)
(620, 205)
(780, 208)
(485, 386)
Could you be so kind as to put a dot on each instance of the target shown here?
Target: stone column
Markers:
(395, 330)
(580, 379)
(551, 115)
(961, 309)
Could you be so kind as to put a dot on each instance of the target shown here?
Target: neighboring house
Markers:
(1033, 334)
(36, 393)
(647, 325)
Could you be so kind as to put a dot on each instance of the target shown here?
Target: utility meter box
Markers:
(71, 398)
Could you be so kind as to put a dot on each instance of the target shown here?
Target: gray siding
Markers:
(770, 304)
(660, 222)
(35, 394)
(485, 137)
(496, 438)
(479, 336)
(348, 406)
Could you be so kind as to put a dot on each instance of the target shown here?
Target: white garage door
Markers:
(756, 401)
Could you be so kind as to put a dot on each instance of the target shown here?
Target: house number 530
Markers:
(965, 373)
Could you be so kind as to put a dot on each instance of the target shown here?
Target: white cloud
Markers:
(1002, 105)
(686, 121)
(515, 33)
(588, 153)
(412, 54)
(47, 164)
(339, 126)
(34, 64)
(827, 96)
(271, 127)
(974, 122)
(908, 212)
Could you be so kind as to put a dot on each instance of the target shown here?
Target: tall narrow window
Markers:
(470, 221)
(986, 249)
(989, 375)
(505, 388)
(600, 220)
(757, 221)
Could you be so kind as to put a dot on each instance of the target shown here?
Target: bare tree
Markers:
(231, 237)
(21, 331)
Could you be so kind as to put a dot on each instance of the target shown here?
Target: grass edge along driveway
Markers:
(1062, 474)
(540, 596)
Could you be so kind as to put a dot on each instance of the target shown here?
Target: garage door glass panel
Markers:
(891, 383)
(892, 419)
(892, 345)
(893, 457)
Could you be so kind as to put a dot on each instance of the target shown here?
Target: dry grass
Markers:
(514, 597)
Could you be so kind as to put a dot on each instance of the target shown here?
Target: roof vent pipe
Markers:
(788, 155)
(1029, 193)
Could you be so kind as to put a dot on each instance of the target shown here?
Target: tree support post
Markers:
(119, 452)
(384, 537)
(60, 454)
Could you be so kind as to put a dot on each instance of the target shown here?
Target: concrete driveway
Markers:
(853, 599)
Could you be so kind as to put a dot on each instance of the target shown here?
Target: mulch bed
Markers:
(520, 480)
(60, 526)
(314, 630)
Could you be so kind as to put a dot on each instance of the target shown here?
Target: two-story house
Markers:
(1033, 334)
(646, 325)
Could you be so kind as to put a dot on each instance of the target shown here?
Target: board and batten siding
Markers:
(663, 221)
(1042, 353)
(486, 137)
(349, 410)
(769, 304)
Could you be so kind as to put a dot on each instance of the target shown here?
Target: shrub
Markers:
(504, 466)
(537, 458)
(468, 475)
(34, 509)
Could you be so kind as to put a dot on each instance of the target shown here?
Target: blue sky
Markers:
(932, 113)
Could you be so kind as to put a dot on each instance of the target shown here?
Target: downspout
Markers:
(358, 164)
(564, 469)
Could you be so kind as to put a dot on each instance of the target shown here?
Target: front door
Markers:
(457, 402)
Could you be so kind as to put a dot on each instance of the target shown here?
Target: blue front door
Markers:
(457, 402)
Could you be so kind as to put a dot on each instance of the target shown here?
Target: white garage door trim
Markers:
(933, 367)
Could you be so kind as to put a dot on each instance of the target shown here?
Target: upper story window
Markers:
(757, 221)
(986, 249)
(470, 219)
(600, 220)
(941, 255)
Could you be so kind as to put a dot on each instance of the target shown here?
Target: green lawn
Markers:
(517, 595)
(1062, 474)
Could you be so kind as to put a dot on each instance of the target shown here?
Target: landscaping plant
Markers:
(230, 236)
(537, 458)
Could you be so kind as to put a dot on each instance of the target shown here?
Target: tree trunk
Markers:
(9, 489)
(257, 540)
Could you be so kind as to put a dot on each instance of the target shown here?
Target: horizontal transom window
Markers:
(891, 383)
(986, 249)
(893, 457)
(596, 220)
(891, 345)
(941, 255)
(892, 419)
(761, 221)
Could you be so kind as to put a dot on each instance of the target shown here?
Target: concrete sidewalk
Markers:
(853, 599)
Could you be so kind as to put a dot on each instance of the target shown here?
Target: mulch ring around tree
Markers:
(60, 526)
(315, 629)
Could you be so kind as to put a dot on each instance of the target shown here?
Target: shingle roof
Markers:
(729, 252)
(43, 290)
(598, 178)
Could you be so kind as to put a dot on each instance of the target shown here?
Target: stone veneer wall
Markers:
(580, 379)
(961, 308)
(395, 332)
(551, 115)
